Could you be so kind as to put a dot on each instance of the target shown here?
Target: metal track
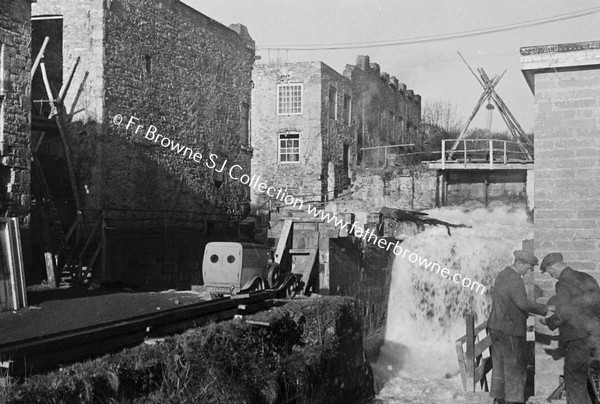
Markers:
(38, 354)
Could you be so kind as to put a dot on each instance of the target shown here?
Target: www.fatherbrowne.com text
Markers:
(235, 172)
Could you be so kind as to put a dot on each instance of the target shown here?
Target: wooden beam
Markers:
(67, 84)
(39, 57)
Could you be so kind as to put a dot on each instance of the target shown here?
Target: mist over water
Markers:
(426, 312)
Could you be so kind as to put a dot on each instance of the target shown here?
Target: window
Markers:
(347, 109)
(148, 60)
(289, 147)
(332, 103)
(289, 99)
(245, 122)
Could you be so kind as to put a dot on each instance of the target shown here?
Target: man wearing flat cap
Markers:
(507, 327)
(576, 317)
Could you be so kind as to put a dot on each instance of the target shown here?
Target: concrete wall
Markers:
(15, 115)
(304, 178)
(376, 94)
(565, 80)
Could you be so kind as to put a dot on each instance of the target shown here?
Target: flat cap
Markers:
(526, 257)
(550, 259)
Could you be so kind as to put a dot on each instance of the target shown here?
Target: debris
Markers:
(418, 218)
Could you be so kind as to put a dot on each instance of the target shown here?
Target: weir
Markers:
(426, 312)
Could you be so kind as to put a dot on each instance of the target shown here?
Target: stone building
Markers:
(565, 81)
(168, 66)
(303, 133)
(386, 112)
(15, 113)
(323, 119)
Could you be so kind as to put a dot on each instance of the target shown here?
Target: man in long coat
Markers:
(577, 303)
(507, 327)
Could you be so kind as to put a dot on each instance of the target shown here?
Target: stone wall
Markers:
(405, 188)
(190, 77)
(303, 178)
(565, 80)
(386, 111)
(339, 134)
(171, 67)
(364, 273)
(15, 115)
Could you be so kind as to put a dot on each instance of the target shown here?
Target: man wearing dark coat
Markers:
(507, 327)
(576, 317)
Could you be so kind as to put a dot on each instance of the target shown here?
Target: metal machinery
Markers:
(231, 268)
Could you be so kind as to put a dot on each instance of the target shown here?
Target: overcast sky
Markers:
(432, 69)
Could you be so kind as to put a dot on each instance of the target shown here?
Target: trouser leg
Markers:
(577, 362)
(509, 367)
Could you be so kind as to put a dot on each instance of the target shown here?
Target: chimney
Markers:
(394, 82)
(375, 68)
(402, 87)
(410, 93)
(362, 61)
(418, 99)
(242, 31)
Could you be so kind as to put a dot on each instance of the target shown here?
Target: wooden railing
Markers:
(490, 151)
(470, 349)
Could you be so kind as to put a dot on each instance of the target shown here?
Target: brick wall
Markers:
(565, 80)
(15, 113)
(376, 95)
(305, 177)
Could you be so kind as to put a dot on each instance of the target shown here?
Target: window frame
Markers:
(332, 103)
(282, 85)
(348, 112)
(279, 148)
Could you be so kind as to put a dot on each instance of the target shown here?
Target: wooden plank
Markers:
(283, 240)
(482, 346)
(481, 371)
(39, 56)
(460, 353)
(470, 348)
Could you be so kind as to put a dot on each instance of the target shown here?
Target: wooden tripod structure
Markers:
(48, 211)
(489, 94)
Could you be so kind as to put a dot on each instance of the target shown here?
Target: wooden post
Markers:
(443, 153)
(385, 157)
(491, 154)
(485, 189)
(470, 354)
(505, 152)
(465, 152)
(39, 56)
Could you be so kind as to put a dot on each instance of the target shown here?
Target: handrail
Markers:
(489, 150)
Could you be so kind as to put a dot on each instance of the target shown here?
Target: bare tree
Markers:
(442, 114)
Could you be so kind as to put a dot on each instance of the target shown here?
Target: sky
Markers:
(432, 69)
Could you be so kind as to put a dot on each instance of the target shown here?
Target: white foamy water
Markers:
(426, 311)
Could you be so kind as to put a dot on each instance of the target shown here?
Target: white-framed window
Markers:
(289, 147)
(332, 103)
(289, 99)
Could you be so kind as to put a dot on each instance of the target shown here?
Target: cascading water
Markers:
(426, 311)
